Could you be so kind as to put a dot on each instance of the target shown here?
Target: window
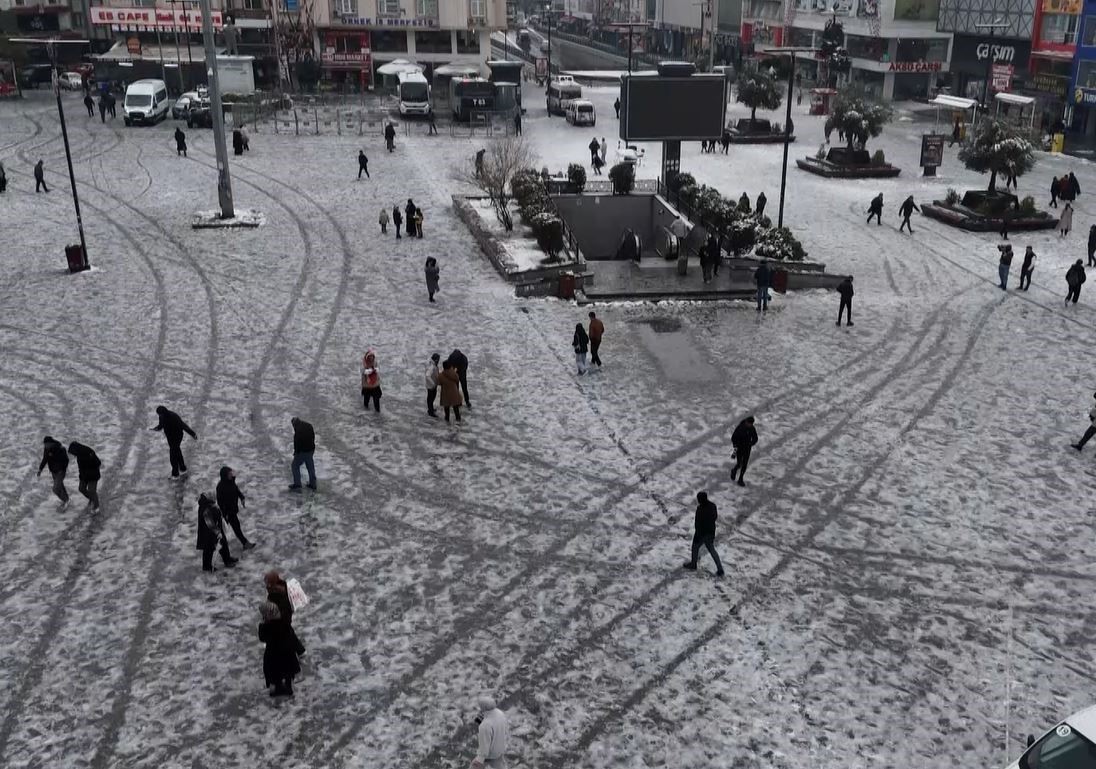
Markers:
(433, 42)
(477, 9)
(346, 7)
(1061, 749)
(20, 2)
(77, 20)
(861, 47)
(467, 42)
(253, 5)
(1086, 74)
(389, 41)
(1090, 30)
(922, 49)
(1059, 29)
(426, 9)
(388, 7)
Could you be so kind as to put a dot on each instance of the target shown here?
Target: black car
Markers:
(34, 75)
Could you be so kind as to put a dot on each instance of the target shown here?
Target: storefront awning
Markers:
(456, 70)
(953, 102)
(169, 53)
(1015, 98)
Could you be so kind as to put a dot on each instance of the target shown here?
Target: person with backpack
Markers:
(87, 464)
(229, 500)
(371, 381)
(173, 427)
(704, 533)
(56, 459)
(875, 208)
(743, 439)
(1075, 278)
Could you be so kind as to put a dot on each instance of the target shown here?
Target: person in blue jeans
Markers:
(1005, 265)
(304, 446)
(763, 279)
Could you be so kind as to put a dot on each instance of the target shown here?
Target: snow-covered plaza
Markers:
(907, 578)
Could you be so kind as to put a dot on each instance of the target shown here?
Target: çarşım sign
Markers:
(1002, 54)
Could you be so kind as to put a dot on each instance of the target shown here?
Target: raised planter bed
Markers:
(832, 170)
(960, 216)
(748, 131)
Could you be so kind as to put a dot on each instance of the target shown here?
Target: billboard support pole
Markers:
(787, 141)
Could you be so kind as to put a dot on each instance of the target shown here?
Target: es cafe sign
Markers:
(151, 18)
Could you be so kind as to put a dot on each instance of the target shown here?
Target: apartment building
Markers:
(682, 29)
(45, 19)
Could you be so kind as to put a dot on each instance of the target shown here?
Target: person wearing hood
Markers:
(704, 532)
(1065, 221)
(494, 735)
(595, 150)
(180, 142)
(763, 279)
(449, 381)
(277, 592)
(1074, 186)
(211, 532)
(581, 344)
(280, 662)
(229, 500)
(432, 374)
(1055, 191)
(1075, 278)
(87, 464)
(603, 150)
(409, 218)
(760, 204)
(173, 427)
(432, 272)
(304, 446)
(363, 165)
(371, 381)
(56, 459)
(237, 142)
(875, 208)
(743, 439)
(906, 210)
(39, 178)
(1089, 431)
(397, 220)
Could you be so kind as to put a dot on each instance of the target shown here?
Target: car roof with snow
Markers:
(1084, 721)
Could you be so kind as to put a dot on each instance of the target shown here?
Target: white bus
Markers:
(414, 92)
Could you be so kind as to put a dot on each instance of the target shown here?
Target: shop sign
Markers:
(331, 56)
(1002, 54)
(932, 150)
(151, 18)
(426, 23)
(1001, 77)
(1055, 85)
(133, 45)
(1085, 96)
(916, 66)
(1072, 7)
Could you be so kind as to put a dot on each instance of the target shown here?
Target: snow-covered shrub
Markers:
(548, 229)
(999, 149)
(623, 177)
(780, 245)
(576, 175)
(1027, 206)
(741, 235)
(952, 197)
(878, 158)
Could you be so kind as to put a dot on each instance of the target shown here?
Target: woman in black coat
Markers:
(211, 531)
(581, 344)
(280, 663)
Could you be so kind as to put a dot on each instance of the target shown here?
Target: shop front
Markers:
(973, 57)
(1082, 91)
(346, 59)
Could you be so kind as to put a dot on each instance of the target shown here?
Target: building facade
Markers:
(1081, 111)
(1053, 46)
(45, 19)
(978, 56)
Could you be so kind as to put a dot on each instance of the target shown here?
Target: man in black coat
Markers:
(763, 279)
(229, 499)
(103, 108)
(743, 439)
(180, 142)
(88, 465)
(715, 254)
(1075, 278)
(1089, 431)
(304, 446)
(390, 136)
(1092, 246)
(460, 362)
(846, 292)
(89, 104)
(875, 208)
(409, 218)
(173, 428)
(39, 177)
(211, 532)
(760, 204)
(595, 150)
(704, 532)
(363, 164)
(55, 458)
(1074, 186)
(906, 210)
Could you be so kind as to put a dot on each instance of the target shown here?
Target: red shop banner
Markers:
(346, 50)
(151, 18)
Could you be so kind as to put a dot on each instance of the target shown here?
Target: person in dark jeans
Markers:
(39, 178)
(743, 439)
(173, 427)
(88, 465)
(704, 532)
(56, 459)
(211, 532)
(1004, 265)
(432, 384)
(397, 220)
(304, 446)
(763, 279)
(229, 499)
(1027, 268)
(363, 164)
(1075, 278)
(846, 292)
(597, 330)
(1090, 431)
(460, 363)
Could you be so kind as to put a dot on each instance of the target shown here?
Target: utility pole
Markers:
(713, 14)
(224, 181)
(277, 43)
(992, 27)
(178, 50)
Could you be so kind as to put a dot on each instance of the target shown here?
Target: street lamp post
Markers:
(791, 51)
(178, 51)
(224, 180)
(992, 26)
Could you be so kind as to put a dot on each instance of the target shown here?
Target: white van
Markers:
(146, 102)
(1072, 744)
(580, 112)
(414, 93)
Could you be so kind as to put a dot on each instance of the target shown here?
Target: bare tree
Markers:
(296, 30)
(493, 171)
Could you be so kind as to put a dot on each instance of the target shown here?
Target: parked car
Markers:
(34, 75)
(183, 104)
(1072, 744)
(72, 81)
(580, 112)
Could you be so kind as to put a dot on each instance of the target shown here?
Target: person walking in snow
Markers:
(383, 220)
(229, 500)
(304, 447)
(363, 165)
(433, 126)
(432, 374)
(763, 279)
(237, 142)
(56, 459)
(704, 533)
(211, 533)
(906, 211)
(597, 165)
(1027, 268)
(616, 106)
(418, 221)
(597, 331)
(845, 307)
(89, 104)
(1004, 265)
(761, 201)
(581, 344)
(956, 133)
(493, 736)
(449, 382)
(460, 363)
(103, 108)
(397, 220)
(173, 427)
(1092, 246)
(595, 150)
(432, 272)
(517, 122)
(1065, 222)
(371, 382)
(875, 208)
(280, 661)
(390, 136)
(3, 178)
(180, 142)
(715, 254)
(1075, 278)
(1089, 431)
(725, 141)
(87, 465)
(1055, 189)
(744, 203)
(1074, 186)
(409, 218)
(603, 150)
(39, 177)
(743, 439)
(479, 162)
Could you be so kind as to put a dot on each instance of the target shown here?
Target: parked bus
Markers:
(503, 73)
(561, 93)
(414, 93)
(469, 94)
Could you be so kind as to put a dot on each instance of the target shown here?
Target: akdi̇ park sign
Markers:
(151, 18)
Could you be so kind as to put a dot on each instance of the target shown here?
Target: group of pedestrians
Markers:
(55, 458)
(1075, 275)
(452, 380)
(413, 218)
(599, 151)
(584, 342)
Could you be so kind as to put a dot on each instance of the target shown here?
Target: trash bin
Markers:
(75, 256)
(780, 281)
(566, 285)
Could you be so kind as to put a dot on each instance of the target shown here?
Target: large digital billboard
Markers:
(655, 108)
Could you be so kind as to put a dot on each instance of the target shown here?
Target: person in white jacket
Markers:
(494, 736)
(432, 384)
